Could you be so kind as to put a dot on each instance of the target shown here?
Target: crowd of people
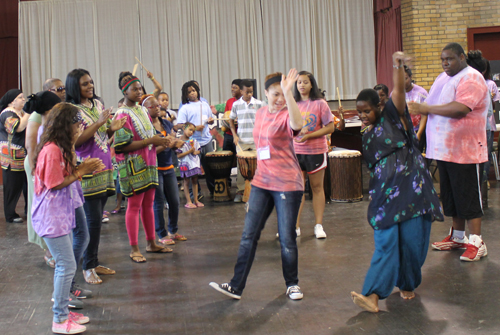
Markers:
(67, 153)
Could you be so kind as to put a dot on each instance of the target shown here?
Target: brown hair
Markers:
(272, 75)
(59, 130)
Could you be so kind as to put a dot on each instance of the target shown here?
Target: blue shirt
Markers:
(191, 113)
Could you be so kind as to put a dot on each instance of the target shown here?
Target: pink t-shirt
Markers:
(316, 114)
(459, 140)
(50, 168)
(282, 171)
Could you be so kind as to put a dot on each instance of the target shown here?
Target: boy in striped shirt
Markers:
(244, 110)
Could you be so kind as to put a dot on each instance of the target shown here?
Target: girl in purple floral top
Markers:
(404, 202)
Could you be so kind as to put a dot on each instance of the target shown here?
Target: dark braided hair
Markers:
(184, 90)
(124, 78)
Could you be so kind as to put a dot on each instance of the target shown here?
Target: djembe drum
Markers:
(219, 164)
(247, 161)
(345, 175)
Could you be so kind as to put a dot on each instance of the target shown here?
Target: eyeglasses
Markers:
(154, 107)
(58, 89)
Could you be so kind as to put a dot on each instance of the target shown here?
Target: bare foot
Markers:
(369, 303)
(407, 295)
(91, 277)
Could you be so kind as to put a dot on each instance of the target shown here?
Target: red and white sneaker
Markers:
(475, 250)
(451, 242)
(67, 327)
(78, 318)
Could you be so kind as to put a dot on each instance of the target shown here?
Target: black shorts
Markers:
(312, 163)
(460, 191)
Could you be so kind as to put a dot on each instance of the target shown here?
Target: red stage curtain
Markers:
(388, 37)
(8, 45)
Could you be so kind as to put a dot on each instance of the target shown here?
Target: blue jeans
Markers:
(167, 189)
(260, 206)
(61, 249)
(399, 255)
(93, 212)
(80, 236)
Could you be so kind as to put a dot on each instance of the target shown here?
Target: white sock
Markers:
(471, 237)
(458, 234)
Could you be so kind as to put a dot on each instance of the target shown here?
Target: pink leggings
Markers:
(142, 203)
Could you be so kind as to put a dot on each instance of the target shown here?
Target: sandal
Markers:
(102, 270)
(163, 250)
(166, 240)
(50, 261)
(105, 212)
(177, 237)
(137, 258)
(199, 204)
(116, 211)
(190, 206)
(91, 277)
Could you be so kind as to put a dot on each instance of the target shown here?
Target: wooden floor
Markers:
(170, 294)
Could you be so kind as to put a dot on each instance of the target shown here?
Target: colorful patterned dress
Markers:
(137, 169)
(401, 187)
(100, 183)
(12, 151)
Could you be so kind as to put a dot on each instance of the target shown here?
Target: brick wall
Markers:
(429, 25)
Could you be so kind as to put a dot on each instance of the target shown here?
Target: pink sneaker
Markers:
(451, 242)
(475, 250)
(67, 327)
(78, 318)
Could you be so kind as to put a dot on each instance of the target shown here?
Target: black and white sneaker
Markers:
(73, 302)
(294, 292)
(80, 293)
(225, 289)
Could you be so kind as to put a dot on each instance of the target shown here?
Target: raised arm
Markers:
(398, 75)
(287, 83)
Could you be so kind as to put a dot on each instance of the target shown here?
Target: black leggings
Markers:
(14, 183)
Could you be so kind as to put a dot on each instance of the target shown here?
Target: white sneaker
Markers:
(294, 292)
(476, 249)
(319, 232)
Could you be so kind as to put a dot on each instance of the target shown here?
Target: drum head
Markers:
(220, 153)
(247, 154)
(344, 153)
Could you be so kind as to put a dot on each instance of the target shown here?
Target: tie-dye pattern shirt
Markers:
(316, 114)
(459, 140)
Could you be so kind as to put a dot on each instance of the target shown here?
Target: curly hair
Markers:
(184, 90)
(59, 130)
(124, 78)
